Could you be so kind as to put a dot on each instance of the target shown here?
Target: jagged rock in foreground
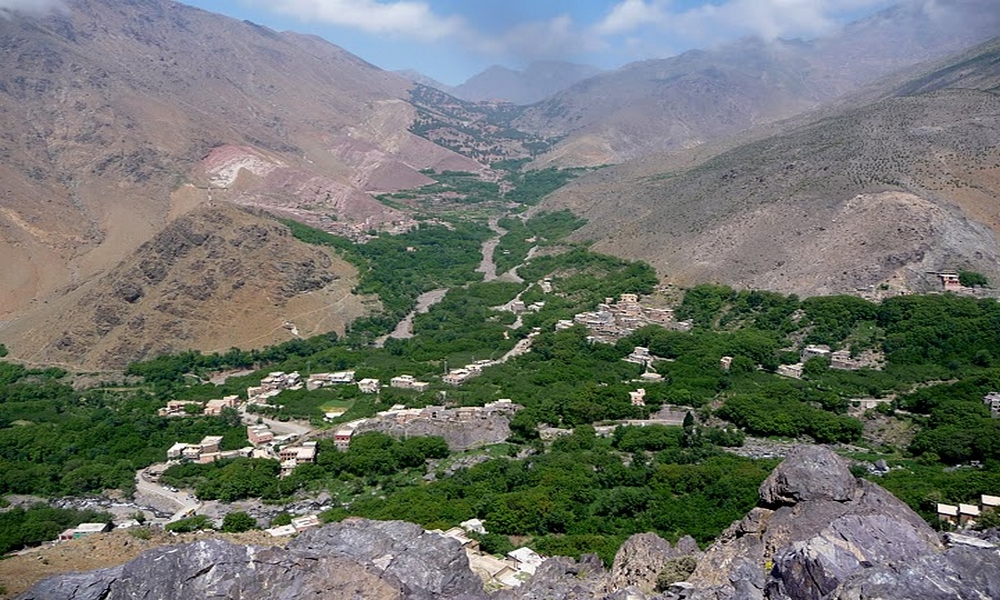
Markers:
(354, 559)
(955, 574)
(561, 578)
(815, 527)
(641, 559)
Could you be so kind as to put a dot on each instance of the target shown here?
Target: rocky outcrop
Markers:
(460, 435)
(816, 527)
(562, 578)
(644, 556)
(216, 277)
(958, 573)
(355, 559)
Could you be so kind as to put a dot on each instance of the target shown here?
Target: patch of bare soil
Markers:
(20, 572)
(888, 432)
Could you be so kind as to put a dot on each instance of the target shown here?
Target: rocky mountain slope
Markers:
(701, 96)
(120, 115)
(215, 278)
(816, 533)
(864, 196)
(536, 82)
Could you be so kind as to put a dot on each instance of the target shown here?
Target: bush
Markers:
(190, 524)
(972, 279)
(237, 522)
(676, 569)
(140, 533)
(280, 519)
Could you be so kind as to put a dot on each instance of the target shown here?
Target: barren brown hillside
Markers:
(215, 278)
(109, 106)
(885, 192)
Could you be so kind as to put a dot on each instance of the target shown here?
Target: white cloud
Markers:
(629, 15)
(29, 6)
(711, 22)
(558, 37)
(404, 17)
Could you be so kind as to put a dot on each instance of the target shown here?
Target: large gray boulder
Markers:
(421, 561)
(561, 578)
(808, 473)
(815, 527)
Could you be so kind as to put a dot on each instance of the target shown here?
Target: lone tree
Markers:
(239, 521)
(972, 279)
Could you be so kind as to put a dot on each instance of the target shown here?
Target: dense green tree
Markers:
(190, 524)
(972, 279)
(238, 521)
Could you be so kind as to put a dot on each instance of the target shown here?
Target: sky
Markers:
(451, 40)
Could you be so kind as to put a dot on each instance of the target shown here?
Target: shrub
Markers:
(190, 524)
(237, 522)
(676, 569)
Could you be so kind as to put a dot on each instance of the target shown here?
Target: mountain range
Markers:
(126, 119)
(877, 193)
(536, 82)
(704, 95)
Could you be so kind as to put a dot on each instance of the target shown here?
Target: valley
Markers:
(275, 321)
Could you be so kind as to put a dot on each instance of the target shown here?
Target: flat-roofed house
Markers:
(210, 443)
(176, 451)
(948, 513)
(215, 407)
(259, 434)
(85, 529)
(967, 514)
(525, 560)
(368, 386)
(305, 522)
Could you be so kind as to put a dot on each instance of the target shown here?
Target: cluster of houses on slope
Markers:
(511, 570)
(264, 444)
(965, 515)
(400, 415)
(272, 385)
(267, 445)
(614, 320)
(463, 374)
(839, 359)
(213, 408)
(205, 451)
(408, 382)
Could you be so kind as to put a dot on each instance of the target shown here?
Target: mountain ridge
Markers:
(536, 82)
(702, 96)
(870, 195)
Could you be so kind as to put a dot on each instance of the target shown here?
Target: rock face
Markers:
(816, 527)
(354, 559)
(643, 557)
(957, 573)
(460, 435)
(562, 578)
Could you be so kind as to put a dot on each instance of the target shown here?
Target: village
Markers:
(471, 427)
